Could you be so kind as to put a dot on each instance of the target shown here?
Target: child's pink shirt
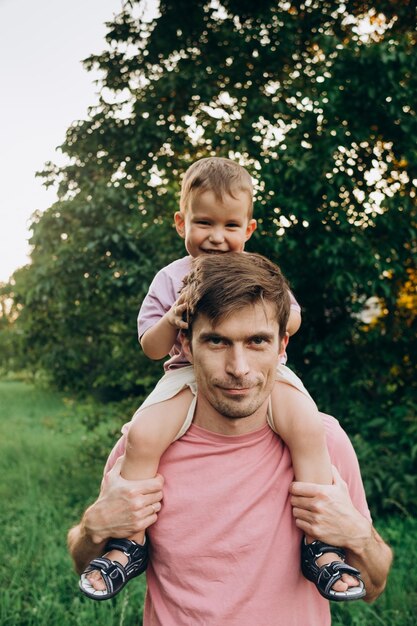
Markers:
(163, 292)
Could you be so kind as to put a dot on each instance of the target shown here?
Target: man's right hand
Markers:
(124, 507)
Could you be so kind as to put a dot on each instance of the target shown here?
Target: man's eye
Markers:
(258, 341)
(215, 340)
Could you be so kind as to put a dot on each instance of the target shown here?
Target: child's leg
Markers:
(297, 421)
(152, 431)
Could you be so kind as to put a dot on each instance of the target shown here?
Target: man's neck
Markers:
(206, 416)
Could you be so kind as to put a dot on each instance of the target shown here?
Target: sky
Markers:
(44, 89)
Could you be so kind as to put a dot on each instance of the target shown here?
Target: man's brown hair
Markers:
(219, 175)
(219, 285)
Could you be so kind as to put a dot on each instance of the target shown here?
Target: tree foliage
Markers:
(317, 100)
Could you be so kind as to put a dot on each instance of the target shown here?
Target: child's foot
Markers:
(95, 577)
(324, 565)
(346, 581)
(106, 576)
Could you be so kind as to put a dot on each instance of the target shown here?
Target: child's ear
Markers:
(252, 225)
(186, 346)
(179, 220)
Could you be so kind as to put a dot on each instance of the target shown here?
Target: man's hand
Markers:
(123, 508)
(326, 512)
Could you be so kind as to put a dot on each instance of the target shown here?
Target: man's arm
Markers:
(123, 508)
(327, 513)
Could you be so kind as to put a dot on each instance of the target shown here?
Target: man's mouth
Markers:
(235, 390)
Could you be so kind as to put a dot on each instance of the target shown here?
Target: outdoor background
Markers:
(317, 100)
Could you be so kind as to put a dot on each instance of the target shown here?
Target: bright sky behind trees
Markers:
(44, 89)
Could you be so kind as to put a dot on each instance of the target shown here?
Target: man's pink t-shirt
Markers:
(225, 549)
(163, 292)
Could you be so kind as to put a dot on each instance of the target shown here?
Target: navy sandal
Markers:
(325, 576)
(114, 574)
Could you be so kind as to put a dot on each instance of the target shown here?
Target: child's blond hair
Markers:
(219, 175)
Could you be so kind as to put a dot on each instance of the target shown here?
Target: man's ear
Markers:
(179, 219)
(186, 346)
(283, 344)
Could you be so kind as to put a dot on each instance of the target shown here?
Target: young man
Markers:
(225, 549)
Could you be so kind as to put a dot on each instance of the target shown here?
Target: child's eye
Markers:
(233, 225)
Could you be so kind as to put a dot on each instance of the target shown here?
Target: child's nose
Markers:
(216, 235)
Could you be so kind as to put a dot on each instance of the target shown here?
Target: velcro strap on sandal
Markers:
(332, 572)
(99, 563)
(110, 571)
(318, 548)
(124, 545)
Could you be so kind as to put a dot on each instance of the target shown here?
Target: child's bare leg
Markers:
(152, 431)
(298, 422)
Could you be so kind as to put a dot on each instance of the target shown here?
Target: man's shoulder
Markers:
(343, 456)
(330, 423)
(336, 436)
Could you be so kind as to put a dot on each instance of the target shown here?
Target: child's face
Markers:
(210, 226)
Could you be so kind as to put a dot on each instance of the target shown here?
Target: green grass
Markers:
(46, 484)
(397, 606)
(43, 490)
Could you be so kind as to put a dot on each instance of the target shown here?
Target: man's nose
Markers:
(237, 362)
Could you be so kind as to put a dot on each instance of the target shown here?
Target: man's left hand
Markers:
(326, 512)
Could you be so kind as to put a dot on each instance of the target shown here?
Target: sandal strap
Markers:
(112, 572)
(316, 549)
(325, 576)
(331, 573)
(127, 546)
(137, 555)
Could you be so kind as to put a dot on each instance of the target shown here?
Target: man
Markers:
(226, 550)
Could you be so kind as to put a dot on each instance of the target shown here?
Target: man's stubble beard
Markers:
(232, 410)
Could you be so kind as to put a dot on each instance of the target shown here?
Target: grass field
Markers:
(44, 488)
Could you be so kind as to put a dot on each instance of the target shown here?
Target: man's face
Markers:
(235, 361)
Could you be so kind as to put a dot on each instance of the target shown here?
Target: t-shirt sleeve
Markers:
(157, 301)
(118, 451)
(343, 456)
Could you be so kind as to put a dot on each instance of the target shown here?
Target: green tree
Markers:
(317, 99)
(10, 339)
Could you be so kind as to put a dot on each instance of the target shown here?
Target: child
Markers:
(215, 217)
